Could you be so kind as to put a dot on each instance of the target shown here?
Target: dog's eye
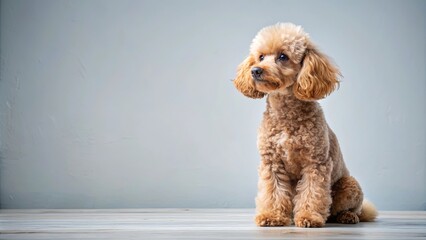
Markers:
(283, 57)
(261, 57)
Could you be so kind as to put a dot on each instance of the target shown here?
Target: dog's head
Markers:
(282, 59)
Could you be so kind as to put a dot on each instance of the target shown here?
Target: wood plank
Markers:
(191, 224)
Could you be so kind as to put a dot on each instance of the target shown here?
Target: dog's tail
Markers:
(368, 212)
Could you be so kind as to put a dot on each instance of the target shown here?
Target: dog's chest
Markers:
(279, 139)
(275, 145)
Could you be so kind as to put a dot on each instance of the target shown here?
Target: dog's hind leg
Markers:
(347, 201)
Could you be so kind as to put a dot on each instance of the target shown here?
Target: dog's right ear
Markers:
(317, 78)
(244, 82)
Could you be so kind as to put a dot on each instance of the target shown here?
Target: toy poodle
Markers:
(302, 175)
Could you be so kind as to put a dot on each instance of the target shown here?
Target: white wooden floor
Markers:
(191, 224)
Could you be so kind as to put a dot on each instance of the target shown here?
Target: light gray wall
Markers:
(109, 104)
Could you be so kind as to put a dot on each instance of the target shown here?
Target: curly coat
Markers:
(302, 175)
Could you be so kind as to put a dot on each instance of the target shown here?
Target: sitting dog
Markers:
(302, 175)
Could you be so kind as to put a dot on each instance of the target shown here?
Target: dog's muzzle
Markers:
(256, 73)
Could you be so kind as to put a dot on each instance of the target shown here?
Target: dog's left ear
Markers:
(317, 78)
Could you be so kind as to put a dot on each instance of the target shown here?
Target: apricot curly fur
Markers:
(302, 175)
(243, 83)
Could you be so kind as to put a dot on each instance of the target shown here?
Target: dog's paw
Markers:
(347, 217)
(269, 220)
(309, 220)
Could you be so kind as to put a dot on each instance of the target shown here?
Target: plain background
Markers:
(123, 104)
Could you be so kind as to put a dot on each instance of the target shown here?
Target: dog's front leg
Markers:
(313, 198)
(273, 201)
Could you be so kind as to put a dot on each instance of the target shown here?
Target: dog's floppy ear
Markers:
(244, 82)
(317, 78)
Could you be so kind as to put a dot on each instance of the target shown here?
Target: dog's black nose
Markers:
(256, 72)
